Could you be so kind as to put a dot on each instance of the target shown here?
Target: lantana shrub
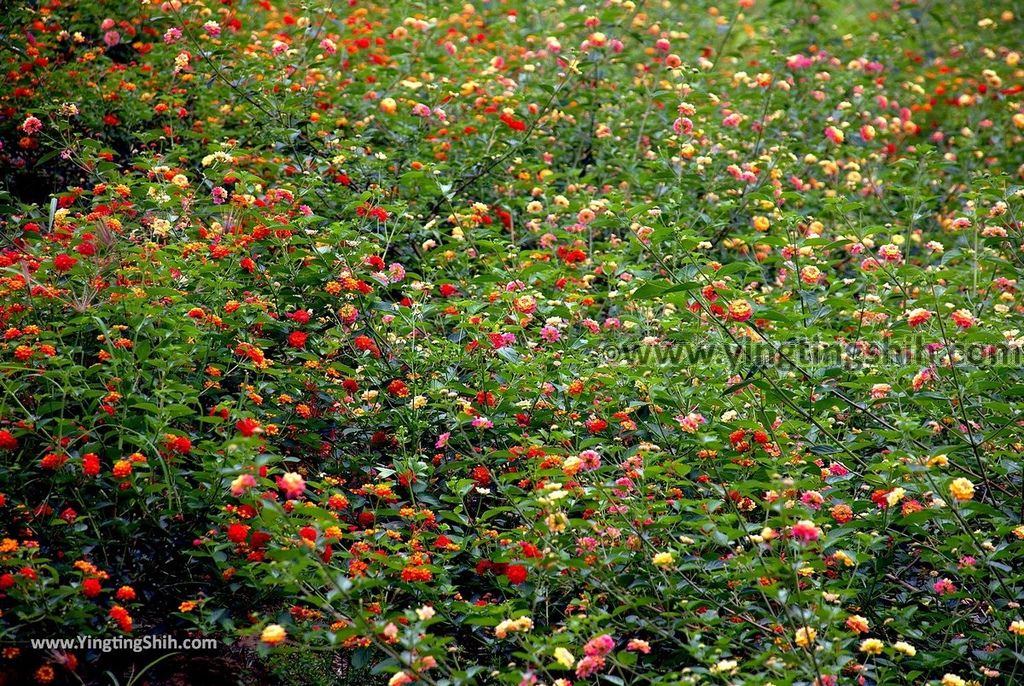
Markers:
(520, 342)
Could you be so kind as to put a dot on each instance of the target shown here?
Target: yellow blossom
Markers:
(805, 636)
(871, 646)
(961, 489)
(663, 559)
(857, 624)
(273, 634)
(905, 648)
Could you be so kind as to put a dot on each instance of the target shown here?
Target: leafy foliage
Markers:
(515, 342)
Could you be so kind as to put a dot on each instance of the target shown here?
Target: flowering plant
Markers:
(514, 342)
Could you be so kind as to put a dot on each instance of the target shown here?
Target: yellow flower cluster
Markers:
(961, 489)
(513, 625)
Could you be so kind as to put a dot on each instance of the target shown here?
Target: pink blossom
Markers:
(550, 334)
(590, 460)
(638, 646)
(599, 646)
(31, 125)
(529, 678)
(922, 378)
(834, 134)
(799, 62)
(501, 340)
(812, 499)
(838, 469)
(805, 531)
(242, 484)
(292, 484)
(682, 125)
(690, 422)
(401, 679)
(589, 665)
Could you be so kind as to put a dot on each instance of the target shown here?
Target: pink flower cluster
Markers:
(594, 653)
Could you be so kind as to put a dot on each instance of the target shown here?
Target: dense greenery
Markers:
(513, 342)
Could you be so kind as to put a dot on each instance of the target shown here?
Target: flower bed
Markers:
(514, 343)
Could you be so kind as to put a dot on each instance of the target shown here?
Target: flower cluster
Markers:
(458, 342)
